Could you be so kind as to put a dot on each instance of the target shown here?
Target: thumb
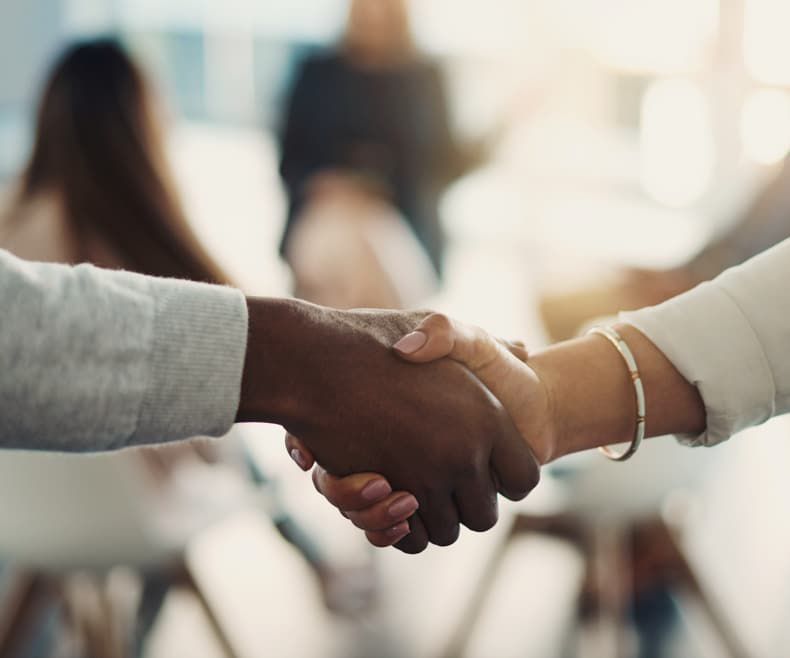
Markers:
(499, 365)
(439, 336)
(432, 339)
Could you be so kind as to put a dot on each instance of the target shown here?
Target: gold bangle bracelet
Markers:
(622, 347)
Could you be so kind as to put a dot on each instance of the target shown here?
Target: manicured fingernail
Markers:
(398, 531)
(412, 342)
(376, 490)
(404, 506)
(299, 458)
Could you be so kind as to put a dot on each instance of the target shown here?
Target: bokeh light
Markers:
(765, 125)
(677, 149)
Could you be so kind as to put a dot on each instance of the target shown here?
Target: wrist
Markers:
(547, 446)
(590, 396)
(271, 384)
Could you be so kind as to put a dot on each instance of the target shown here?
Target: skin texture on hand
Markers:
(331, 379)
(500, 365)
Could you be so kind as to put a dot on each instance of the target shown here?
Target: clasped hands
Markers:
(489, 439)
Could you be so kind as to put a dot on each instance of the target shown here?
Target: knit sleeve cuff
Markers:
(197, 355)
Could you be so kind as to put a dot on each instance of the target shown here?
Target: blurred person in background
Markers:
(98, 189)
(764, 223)
(367, 150)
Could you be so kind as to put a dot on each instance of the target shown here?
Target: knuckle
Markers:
(439, 323)
(412, 546)
(316, 477)
(420, 314)
(484, 521)
(477, 347)
(447, 536)
(524, 487)
(515, 494)
(359, 523)
(534, 478)
(326, 487)
(369, 520)
(482, 338)
(468, 470)
(493, 423)
(532, 481)
(433, 496)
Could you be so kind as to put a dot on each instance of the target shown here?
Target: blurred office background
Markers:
(632, 134)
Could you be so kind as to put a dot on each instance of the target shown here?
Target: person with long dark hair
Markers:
(97, 187)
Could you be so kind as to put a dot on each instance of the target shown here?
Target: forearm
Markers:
(96, 360)
(592, 398)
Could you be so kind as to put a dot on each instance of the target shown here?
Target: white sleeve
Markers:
(731, 338)
(93, 359)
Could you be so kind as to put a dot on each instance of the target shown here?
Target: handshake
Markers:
(416, 422)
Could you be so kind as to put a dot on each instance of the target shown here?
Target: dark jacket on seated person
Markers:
(388, 126)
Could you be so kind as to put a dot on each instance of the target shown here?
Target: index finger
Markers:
(353, 492)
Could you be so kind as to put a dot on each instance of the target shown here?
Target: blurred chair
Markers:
(627, 522)
(66, 514)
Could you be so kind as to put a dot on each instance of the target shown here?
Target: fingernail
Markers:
(398, 531)
(410, 343)
(376, 490)
(299, 458)
(404, 506)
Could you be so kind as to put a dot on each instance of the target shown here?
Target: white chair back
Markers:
(77, 511)
(602, 489)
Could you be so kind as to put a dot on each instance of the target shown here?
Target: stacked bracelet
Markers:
(622, 347)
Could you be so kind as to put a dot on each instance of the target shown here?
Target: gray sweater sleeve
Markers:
(95, 360)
